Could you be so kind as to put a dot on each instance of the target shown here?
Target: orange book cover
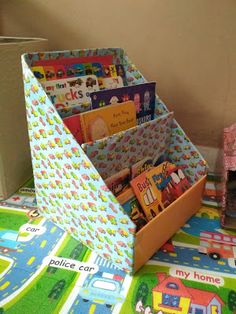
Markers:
(107, 120)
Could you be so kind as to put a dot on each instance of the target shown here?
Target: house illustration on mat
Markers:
(172, 296)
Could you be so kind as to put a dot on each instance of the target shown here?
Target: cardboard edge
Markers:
(20, 40)
(54, 53)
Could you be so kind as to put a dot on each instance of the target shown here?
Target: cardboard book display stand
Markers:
(70, 190)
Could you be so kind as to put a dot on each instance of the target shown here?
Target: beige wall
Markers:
(187, 46)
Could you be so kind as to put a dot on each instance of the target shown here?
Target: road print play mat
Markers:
(45, 270)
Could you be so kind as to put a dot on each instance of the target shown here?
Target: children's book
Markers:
(112, 82)
(102, 122)
(143, 96)
(120, 71)
(71, 92)
(60, 71)
(147, 197)
(118, 182)
(50, 73)
(124, 149)
(73, 124)
(141, 166)
(168, 182)
(132, 208)
(39, 73)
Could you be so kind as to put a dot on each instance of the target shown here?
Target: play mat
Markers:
(44, 270)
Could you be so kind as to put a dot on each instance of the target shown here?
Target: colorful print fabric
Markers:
(124, 149)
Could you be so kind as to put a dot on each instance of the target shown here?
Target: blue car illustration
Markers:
(102, 290)
(8, 241)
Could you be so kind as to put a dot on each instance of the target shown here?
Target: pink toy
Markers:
(228, 219)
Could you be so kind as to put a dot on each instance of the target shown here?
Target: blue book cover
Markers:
(143, 96)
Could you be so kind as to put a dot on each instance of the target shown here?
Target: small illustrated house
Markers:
(69, 188)
(172, 296)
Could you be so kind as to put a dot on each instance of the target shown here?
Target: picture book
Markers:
(124, 149)
(50, 73)
(114, 70)
(168, 182)
(73, 124)
(39, 73)
(119, 181)
(106, 74)
(141, 166)
(112, 82)
(132, 208)
(143, 96)
(71, 93)
(147, 197)
(60, 72)
(80, 69)
(102, 122)
(120, 71)
(100, 66)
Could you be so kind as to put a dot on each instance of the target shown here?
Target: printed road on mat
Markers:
(179, 276)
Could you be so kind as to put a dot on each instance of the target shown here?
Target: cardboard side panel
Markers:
(124, 149)
(69, 189)
(183, 153)
(152, 236)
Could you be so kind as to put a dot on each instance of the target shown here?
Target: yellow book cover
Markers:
(107, 120)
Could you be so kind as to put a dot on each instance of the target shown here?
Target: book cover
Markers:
(120, 71)
(147, 197)
(143, 96)
(39, 73)
(132, 208)
(112, 82)
(97, 69)
(71, 92)
(141, 166)
(78, 69)
(118, 182)
(108, 75)
(106, 80)
(60, 72)
(168, 182)
(102, 122)
(50, 73)
(73, 124)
